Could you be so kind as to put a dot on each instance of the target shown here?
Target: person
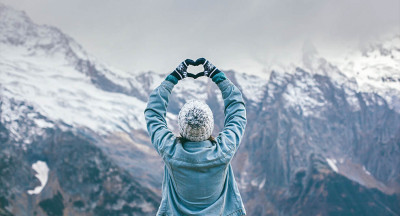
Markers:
(198, 177)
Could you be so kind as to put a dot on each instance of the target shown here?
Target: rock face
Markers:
(309, 151)
(323, 138)
(82, 179)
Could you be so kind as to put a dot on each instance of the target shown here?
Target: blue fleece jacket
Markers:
(198, 177)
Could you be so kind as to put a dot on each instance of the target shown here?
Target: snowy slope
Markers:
(38, 65)
(62, 93)
(48, 69)
(373, 69)
(252, 87)
(376, 68)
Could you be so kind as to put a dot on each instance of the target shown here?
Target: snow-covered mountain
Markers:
(322, 138)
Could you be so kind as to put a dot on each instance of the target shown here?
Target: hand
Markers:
(209, 69)
(180, 71)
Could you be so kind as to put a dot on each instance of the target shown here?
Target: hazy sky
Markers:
(242, 35)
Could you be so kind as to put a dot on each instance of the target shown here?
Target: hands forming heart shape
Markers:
(198, 62)
(209, 69)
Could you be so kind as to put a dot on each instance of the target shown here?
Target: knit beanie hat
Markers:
(196, 121)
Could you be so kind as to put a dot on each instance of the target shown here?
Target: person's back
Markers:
(198, 177)
(198, 172)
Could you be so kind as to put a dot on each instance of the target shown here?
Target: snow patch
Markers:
(262, 184)
(43, 124)
(332, 164)
(303, 94)
(366, 171)
(352, 99)
(252, 86)
(42, 174)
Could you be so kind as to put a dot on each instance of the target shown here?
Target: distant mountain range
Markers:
(323, 138)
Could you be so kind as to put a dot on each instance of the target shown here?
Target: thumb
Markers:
(199, 75)
(191, 75)
(189, 62)
(200, 61)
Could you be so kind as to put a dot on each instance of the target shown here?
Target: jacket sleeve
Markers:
(155, 112)
(235, 116)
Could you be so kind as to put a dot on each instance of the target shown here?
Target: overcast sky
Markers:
(243, 35)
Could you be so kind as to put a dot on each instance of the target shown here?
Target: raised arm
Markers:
(156, 110)
(235, 113)
(235, 110)
(155, 113)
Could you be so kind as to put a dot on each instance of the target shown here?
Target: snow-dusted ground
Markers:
(42, 171)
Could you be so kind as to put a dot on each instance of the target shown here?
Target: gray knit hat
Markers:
(196, 121)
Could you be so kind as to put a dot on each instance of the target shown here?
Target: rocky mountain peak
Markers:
(322, 137)
(18, 30)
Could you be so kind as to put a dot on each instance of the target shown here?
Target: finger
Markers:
(199, 75)
(195, 63)
(190, 62)
(200, 61)
(191, 75)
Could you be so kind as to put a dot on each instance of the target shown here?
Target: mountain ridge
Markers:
(308, 125)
